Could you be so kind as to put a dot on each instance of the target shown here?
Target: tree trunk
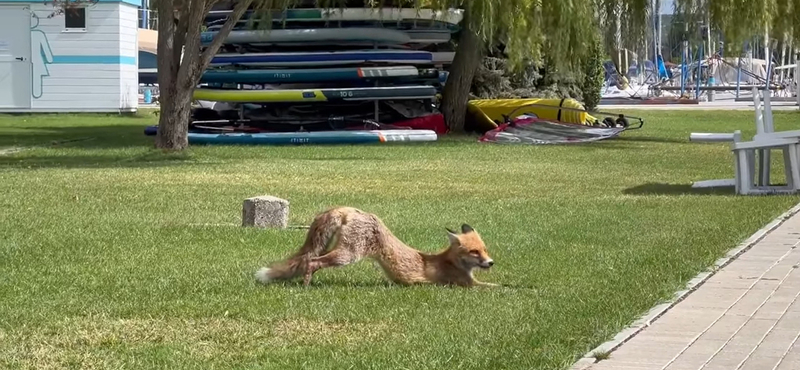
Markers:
(181, 63)
(456, 90)
(173, 123)
(170, 43)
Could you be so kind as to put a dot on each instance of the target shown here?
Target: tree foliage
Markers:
(527, 31)
(623, 23)
(593, 74)
(544, 79)
(739, 20)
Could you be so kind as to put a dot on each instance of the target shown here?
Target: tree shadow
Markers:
(338, 158)
(87, 137)
(652, 139)
(611, 144)
(677, 189)
(150, 159)
(324, 282)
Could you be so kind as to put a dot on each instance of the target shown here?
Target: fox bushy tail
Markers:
(316, 244)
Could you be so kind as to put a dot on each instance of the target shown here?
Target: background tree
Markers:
(739, 21)
(523, 29)
(593, 74)
(181, 62)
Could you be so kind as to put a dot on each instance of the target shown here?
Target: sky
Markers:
(667, 6)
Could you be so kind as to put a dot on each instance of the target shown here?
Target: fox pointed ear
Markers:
(466, 229)
(451, 235)
(449, 230)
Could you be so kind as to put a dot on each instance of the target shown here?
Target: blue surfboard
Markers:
(325, 58)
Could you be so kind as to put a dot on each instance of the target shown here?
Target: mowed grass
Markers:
(113, 255)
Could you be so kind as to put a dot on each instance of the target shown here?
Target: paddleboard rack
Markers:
(622, 120)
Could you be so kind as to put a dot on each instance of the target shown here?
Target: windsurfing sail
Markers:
(533, 130)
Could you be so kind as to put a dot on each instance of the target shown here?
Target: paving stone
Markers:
(793, 280)
(688, 362)
(766, 255)
(751, 334)
(774, 308)
(622, 365)
(689, 320)
(776, 344)
(760, 363)
(792, 359)
(750, 302)
(790, 321)
(729, 280)
(749, 269)
(712, 297)
(648, 352)
(729, 357)
(654, 335)
(782, 239)
(696, 355)
(725, 328)
(786, 293)
(783, 270)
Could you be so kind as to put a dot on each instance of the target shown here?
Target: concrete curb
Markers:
(637, 326)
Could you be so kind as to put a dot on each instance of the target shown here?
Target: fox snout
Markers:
(486, 263)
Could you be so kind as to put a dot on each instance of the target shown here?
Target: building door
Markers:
(15, 57)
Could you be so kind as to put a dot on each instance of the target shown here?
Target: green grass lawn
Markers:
(114, 255)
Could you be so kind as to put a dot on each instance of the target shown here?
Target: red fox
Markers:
(345, 235)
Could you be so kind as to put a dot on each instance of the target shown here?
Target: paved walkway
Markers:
(746, 316)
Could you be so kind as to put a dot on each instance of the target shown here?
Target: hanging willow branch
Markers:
(742, 20)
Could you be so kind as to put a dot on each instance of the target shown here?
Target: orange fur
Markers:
(345, 235)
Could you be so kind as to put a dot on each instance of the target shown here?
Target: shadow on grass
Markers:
(88, 137)
(323, 282)
(652, 139)
(317, 283)
(676, 189)
(147, 160)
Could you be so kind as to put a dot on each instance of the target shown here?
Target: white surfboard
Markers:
(280, 36)
(453, 16)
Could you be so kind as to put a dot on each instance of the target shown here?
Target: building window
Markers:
(75, 19)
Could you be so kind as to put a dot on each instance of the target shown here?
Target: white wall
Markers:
(91, 71)
(129, 45)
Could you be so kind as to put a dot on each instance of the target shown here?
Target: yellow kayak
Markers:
(485, 113)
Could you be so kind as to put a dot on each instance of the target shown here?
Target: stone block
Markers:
(265, 212)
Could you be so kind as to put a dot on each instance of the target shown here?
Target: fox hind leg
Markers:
(335, 258)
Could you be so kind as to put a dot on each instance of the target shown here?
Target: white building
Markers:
(79, 61)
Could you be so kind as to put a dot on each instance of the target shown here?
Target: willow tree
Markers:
(623, 25)
(739, 21)
(524, 29)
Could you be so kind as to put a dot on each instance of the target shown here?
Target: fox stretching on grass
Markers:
(344, 235)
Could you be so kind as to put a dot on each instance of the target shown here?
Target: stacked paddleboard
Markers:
(325, 70)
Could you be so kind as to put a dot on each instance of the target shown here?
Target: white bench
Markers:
(744, 163)
(766, 139)
(705, 137)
